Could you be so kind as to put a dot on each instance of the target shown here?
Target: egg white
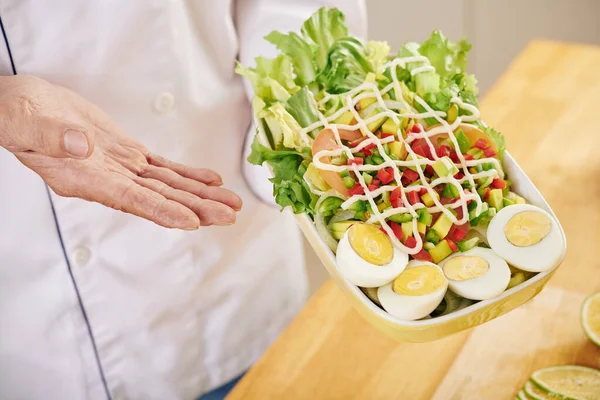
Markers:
(362, 273)
(489, 285)
(410, 307)
(542, 256)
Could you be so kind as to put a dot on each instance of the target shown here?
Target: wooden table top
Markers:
(547, 104)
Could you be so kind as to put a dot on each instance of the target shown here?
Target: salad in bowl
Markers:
(385, 155)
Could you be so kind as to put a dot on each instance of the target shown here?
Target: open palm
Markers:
(80, 152)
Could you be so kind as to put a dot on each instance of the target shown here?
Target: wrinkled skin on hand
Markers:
(80, 152)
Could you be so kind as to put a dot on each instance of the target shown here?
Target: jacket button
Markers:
(81, 256)
(164, 102)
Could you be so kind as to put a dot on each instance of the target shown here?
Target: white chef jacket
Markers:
(98, 304)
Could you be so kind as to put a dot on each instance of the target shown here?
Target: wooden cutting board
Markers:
(548, 106)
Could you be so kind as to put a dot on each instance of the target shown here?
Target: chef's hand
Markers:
(80, 152)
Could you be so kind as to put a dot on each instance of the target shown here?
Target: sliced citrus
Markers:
(569, 382)
(521, 395)
(536, 393)
(590, 317)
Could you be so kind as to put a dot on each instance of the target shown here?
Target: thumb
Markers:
(62, 139)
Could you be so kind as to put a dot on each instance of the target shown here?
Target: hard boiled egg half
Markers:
(476, 274)
(366, 257)
(527, 237)
(415, 293)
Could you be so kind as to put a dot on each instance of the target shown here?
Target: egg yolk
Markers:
(371, 244)
(461, 268)
(419, 281)
(527, 228)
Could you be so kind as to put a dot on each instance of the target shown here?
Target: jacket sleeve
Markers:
(254, 20)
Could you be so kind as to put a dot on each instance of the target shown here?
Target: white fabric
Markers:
(172, 314)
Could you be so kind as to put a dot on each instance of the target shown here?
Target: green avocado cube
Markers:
(345, 119)
(442, 226)
(368, 178)
(374, 125)
(410, 158)
(476, 153)
(407, 229)
(467, 244)
(464, 144)
(400, 218)
(495, 199)
(450, 192)
(444, 167)
(389, 126)
(339, 228)
(440, 251)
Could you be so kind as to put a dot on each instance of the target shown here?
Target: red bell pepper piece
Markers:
(397, 229)
(489, 152)
(452, 245)
(396, 203)
(422, 191)
(454, 157)
(384, 135)
(413, 197)
(415, 129)
(468, 157)
(396, 193)
(498, 183)
(486, 194)
(410, 175)
(443, 151)
(356, 189)
(383, 230)
(357, 161)
(423, 255)
(385, 176)
(419, 150)
(410, 242)
(459, 175)
(458, 232)
(372, 187)
(482, 144)
(367, 149)
(429, 169)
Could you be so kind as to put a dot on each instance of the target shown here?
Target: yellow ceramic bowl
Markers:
(469, 317)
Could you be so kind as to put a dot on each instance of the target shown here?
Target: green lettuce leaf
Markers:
(497, 139)
(303, 108)
(448, 58)
(323, 28)
(377, 54)
(271, 79)
(289, 166)
(285, 130)
(300, 52)
(347, 66)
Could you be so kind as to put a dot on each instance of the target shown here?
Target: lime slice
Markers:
(521, 395)
(536, 393)
(590, 317)
(569, 382)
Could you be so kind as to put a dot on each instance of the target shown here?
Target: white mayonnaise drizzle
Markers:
(391, 109)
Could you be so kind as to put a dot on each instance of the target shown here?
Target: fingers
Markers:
(124, 194)
(199, 189)
(209, 212)
(203, 175)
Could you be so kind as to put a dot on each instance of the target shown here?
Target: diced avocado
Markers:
(360, 205)
(427, 199)
(452, 114)
(491, 212)
(374, 125)
(444, 167)
(368, 178)
(382, 206)
(467, 244)
(398, 149)
(432, 237)
(421, 228)
(485, 182)
(464, 143)
(442, 226)
(452, 211)
(345, 119)
(410, 158)
(484, 208)
(345, 173)
(385, 197)
(407, 229)
(507, 202)
(476, 153)
(450, 192)
(314, 177)
(424, 216)
(331, 203)
(400, 218)
(348, 182)
(366, 102)
(520, 200)
(339, 228)
(440, 251)
(389, 126)
(361, 215)
(428, 245)
(495, 199)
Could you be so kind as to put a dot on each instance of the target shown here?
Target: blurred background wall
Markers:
(497, 29)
